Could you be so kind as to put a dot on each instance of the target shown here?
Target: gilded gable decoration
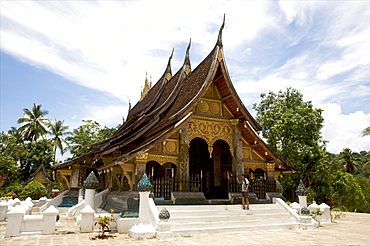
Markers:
(210, 131)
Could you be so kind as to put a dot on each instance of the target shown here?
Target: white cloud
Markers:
(344, 131)
(110, 115)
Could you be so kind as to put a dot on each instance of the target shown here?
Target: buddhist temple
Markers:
(190, 132)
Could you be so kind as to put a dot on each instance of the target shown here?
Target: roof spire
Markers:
(219, 40)
(168, 71)
(187, 60)
(147, 86)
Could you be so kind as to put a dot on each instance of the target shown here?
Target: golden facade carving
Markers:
(247, 153)
(219, 56)
(254, 166)
(210, 131)
(170, 146)
(162, 159)
(270, 166)
(211, 107)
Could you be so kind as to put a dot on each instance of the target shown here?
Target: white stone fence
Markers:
(19, 222)
(7, 205)
(314, 207)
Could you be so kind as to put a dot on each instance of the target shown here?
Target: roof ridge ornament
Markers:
(219, 39)
(187, 60)
(168, 69)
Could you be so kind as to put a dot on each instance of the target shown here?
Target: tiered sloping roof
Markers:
(170, 103)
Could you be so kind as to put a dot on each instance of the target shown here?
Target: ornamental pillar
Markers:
(184, 153)
(238, 166)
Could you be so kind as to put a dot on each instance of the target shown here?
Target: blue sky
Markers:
(87, 59)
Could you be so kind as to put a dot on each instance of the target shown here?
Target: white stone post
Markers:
(90, 184)
(13, 227)
(302, 194)
(143, 229)
(3, 210)
(90, 198)
(164, 226)
(325, 217)
(87, 219)
(80, 195)
(302, 202)
(144, 207)
(50, 220)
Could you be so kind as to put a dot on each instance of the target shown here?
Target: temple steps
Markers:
(205, 219)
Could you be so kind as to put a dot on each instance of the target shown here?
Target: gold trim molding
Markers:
(163, 159)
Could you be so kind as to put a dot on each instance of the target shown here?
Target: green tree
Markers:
(11, 151)
(86, 135)
(38, 152)
(292, 128)
(34, 123)
(347, 193)
(366, 132)
(33, 189)
(323, 178)
(348, 160)
(58, 131)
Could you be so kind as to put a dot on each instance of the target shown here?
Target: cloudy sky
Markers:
(87, 59)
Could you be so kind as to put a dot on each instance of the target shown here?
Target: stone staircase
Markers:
(208, 219)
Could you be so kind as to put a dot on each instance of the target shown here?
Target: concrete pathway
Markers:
(354, 229)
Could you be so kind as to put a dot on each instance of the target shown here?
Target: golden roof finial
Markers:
(147, 87)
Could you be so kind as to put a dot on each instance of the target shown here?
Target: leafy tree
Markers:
(347, 193)
(11, 150)
(366, 132)
(38, 152)
(322, 179)
(348, 160)
(292, 127)
(35, 123)
(9, 167)
(367, 164)
(33, 189)
(364, 183)
(86, 135)
(58, 131)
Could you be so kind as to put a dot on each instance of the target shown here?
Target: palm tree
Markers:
(348, 160)
(35, 123)
(366, 132)
(57, 130)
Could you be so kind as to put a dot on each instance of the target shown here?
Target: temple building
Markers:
(190, 132)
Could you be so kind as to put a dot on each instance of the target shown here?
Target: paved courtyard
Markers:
(354, 229)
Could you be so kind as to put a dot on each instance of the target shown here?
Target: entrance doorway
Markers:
(222, 161)
(215, 170)
(200, 164)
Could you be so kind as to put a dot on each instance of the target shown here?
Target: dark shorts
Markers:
(244, 194)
